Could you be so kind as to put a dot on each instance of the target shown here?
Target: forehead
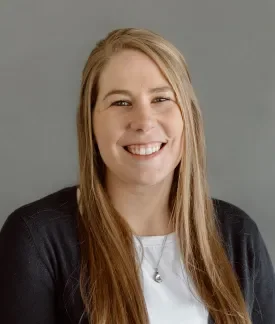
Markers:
(132, 70)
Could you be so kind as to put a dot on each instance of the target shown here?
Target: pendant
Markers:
(157, 277)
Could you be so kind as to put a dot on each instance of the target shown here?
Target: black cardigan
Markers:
(39, 262)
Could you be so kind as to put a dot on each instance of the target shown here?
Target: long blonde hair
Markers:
(109, 276)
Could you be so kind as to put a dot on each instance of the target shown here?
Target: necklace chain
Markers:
(162, 248)
(157, 276)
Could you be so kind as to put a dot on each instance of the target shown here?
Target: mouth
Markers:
(144, 150)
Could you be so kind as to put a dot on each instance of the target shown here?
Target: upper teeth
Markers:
(144, 149)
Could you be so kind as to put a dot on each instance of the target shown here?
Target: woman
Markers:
(139, 240)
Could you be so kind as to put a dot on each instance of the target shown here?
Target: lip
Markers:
(146, 157)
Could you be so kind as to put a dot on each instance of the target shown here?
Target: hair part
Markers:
(109, 276)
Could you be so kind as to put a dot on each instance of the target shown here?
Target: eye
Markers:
(161, 99)
(121, 103)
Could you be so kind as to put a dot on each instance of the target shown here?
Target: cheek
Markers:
(174, 124)
(101, 133)
(175, 127)
(106, 134)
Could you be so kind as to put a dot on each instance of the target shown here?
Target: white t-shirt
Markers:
(174, 300)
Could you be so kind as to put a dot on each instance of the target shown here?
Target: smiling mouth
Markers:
(142, 150)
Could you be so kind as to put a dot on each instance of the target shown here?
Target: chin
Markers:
(149, 180)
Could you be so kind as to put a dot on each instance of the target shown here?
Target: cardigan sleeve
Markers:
(27, 286)
(263, 311)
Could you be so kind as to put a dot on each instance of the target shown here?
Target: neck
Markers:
(145, 208)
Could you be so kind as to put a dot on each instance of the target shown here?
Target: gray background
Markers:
(228, 45)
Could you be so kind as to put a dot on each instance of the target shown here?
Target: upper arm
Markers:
(27, 286)
(264, 284)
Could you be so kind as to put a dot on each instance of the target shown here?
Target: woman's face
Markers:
(137, 122)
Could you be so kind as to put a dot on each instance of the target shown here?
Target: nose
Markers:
(142, 118)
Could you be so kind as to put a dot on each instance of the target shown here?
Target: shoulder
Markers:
(46, 212)
(46, 229)
(50, 216)
(233, 220)
(242, 239)
(250, 259)
(240, 234)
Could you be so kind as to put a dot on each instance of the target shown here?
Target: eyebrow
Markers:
(126, 92)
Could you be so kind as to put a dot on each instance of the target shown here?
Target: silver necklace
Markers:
(157, 276)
